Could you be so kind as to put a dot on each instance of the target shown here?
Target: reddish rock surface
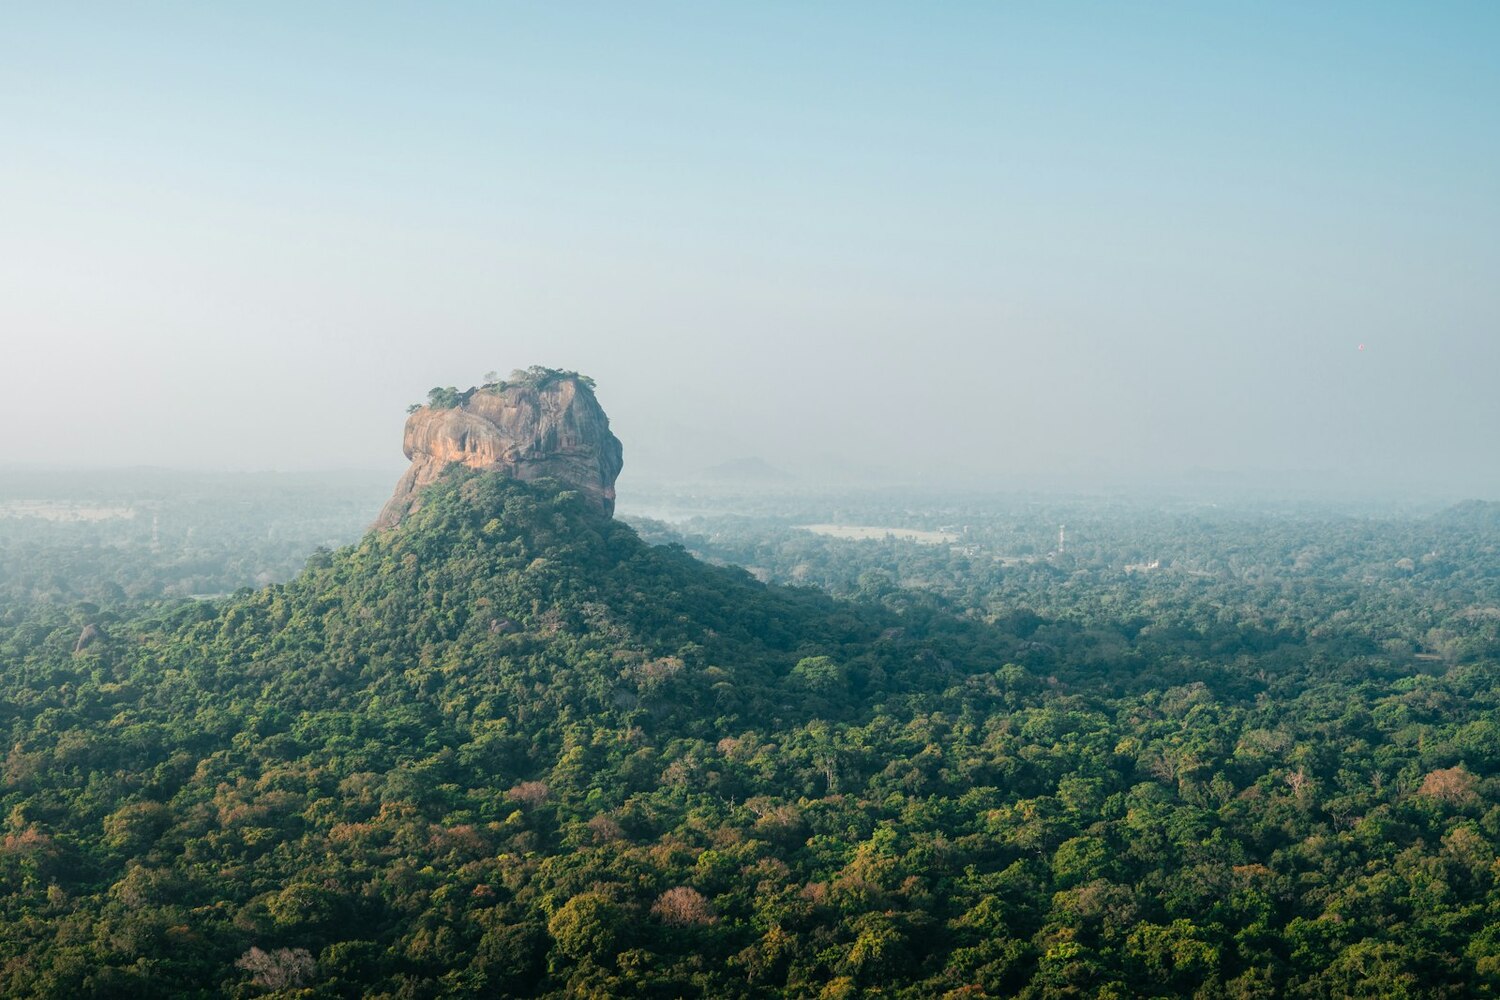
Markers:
(552, 428)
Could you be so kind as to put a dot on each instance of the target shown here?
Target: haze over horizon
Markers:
(973, 243)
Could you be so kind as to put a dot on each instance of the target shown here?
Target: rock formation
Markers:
(541, 424)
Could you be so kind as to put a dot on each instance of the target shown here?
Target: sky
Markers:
(958, 243)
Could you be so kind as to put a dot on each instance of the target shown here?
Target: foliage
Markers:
(281, 969)
(535, 377)
(538, 377)
(445, 397)
(510, 749)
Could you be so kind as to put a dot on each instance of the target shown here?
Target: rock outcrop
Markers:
(542, 425)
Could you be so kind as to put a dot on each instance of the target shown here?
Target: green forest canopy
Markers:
(510, 749)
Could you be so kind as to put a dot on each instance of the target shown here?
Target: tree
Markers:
(820, 674)
(443, 398)
(280, 969)
(683, 906)
(588, 926)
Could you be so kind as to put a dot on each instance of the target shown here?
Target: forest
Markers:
(515, 748)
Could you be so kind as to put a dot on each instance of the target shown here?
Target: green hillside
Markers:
(509, 749)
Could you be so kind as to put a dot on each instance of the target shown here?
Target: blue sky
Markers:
(971, 241)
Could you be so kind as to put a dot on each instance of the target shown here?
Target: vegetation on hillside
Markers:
(509, 749)
(535, 377)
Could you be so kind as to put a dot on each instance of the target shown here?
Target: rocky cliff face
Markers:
(551, 427)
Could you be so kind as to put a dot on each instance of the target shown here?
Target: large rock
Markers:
(550, 427)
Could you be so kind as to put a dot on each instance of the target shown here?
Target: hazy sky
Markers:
(962, 240)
